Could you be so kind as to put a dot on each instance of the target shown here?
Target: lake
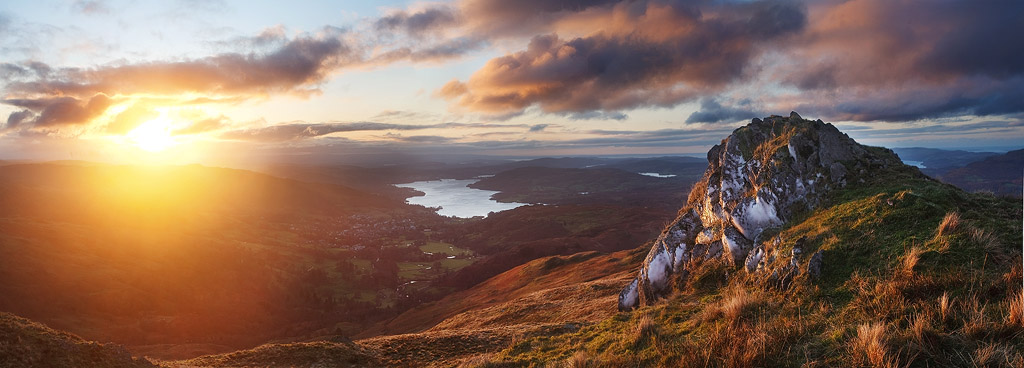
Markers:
(455, 198)
(919, 164)
(657, 175)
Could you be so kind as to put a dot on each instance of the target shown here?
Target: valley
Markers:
(187, 272)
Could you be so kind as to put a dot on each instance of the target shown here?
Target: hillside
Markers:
(1001, 174)
(798, 247)
(510, 238)
(890, 268)
(880, 267)
(183, 261)
(464, 309)
(24, 343)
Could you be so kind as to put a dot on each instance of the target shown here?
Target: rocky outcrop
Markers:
(757, 179)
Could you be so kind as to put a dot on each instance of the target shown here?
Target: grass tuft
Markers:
(581, 359)
(910, 260)
(1015, 310)
(739, 303)
(871, 345)
(944, 306)
(949, 224)
(644, 330)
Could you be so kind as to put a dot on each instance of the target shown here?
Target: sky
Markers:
(229, 82)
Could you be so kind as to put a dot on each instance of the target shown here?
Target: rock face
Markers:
(757, 178)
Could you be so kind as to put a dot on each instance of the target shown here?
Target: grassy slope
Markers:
(902, 285)
(24, 343)
(481, 305)
(546, 297)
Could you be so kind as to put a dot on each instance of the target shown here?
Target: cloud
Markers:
(538, 127)
(203, 126)
(286, 132)
(983, 127)
(418, 22)
(653, 54)
(17, 117)
(130, 118)
(61, 110)
(419, 139)
(440, 51)
(303, 130)
(598, 115)
(903, 60)
(711, 111)
(525, 17)
(297, 66)
(90, 7)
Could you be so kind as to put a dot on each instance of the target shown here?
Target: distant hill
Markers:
(1001, 174)
(936, 161)
(567, 186)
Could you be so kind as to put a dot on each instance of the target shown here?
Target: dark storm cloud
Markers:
(711, 111)
(656, 55)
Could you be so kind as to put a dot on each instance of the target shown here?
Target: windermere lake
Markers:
(455, 198)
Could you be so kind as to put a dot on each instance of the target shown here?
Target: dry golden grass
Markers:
(644, 330)
(580, 359)
(976, 323)
(481, 360)
(922, 331)
(910, 260)
(1015, 310)
(991, 355)
(949, 224)
(944, 304)
(871, 344)
(740, 302)
(697, 193)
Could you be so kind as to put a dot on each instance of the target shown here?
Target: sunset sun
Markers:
(152, 136)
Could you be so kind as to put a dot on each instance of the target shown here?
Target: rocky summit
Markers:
(758, 177)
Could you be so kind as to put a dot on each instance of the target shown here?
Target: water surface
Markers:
(657, 175)
(455, 198)
(919, 164)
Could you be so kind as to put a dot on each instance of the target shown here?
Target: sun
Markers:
(152, 136)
